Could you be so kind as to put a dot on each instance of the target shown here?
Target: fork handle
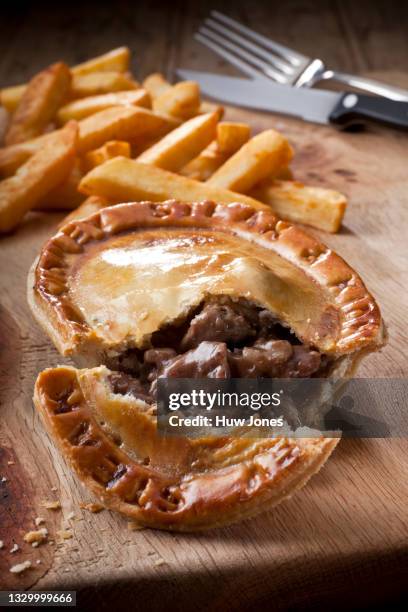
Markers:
(367, 85)
(353, 108)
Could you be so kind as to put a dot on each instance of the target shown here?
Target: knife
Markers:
(316, 105)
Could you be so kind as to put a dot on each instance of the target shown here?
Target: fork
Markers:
(256, 56)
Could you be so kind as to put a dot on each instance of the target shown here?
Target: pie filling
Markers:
(221, 338)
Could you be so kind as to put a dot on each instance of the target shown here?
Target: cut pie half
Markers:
(172, 483)
(189, 290)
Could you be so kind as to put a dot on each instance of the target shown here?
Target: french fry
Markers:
(263, 156)
(97, 83)
(116, 60)
(205, 164)
(182, 144)
(232, 136)
(14, 156)
(79, 109)
(156, 84)
(130, 123)
(122, 123)
(122, 179)
(112, 148)
(88, 207)
(181, 100)
(292, 200)
(64, 196)
(44, 171)
(39, 103)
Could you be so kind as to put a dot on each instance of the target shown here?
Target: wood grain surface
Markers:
(343, 539)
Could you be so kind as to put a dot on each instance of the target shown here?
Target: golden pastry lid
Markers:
(108, 282)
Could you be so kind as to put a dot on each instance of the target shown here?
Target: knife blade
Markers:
(315, 105)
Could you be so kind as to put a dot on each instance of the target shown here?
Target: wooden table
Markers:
(343, 539)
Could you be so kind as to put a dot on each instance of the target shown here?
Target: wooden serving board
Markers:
(343, 536)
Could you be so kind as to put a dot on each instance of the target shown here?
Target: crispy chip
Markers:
(79, 109)
(122, 180)
(182, 144)
(263, 156)
(181, 100)
(39, 103)
(37, 177)
(97, 83)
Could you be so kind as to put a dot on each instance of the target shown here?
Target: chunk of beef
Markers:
(303, 363)
(156, 359)
(265, 359)
(208, 360)
(220, 322)
(158, 356)
(122, 384)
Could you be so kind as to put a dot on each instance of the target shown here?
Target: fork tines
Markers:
(252, 53)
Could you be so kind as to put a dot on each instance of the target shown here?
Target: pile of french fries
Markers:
(89, 136)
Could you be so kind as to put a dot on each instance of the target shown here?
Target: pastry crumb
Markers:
(65, 534)
(70, 516)
(36, 537)
(1, 543)
(159, 562)
(51, 505)
(38, 562)
(14, 548)
(133, 526)
(10, 463)
(20, 567)
(39, 520)
(54, 489)
(3, 479)
(92, 507)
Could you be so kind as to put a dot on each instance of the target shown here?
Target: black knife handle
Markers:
(353, 109)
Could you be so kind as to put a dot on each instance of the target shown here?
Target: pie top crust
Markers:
(111, 280)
